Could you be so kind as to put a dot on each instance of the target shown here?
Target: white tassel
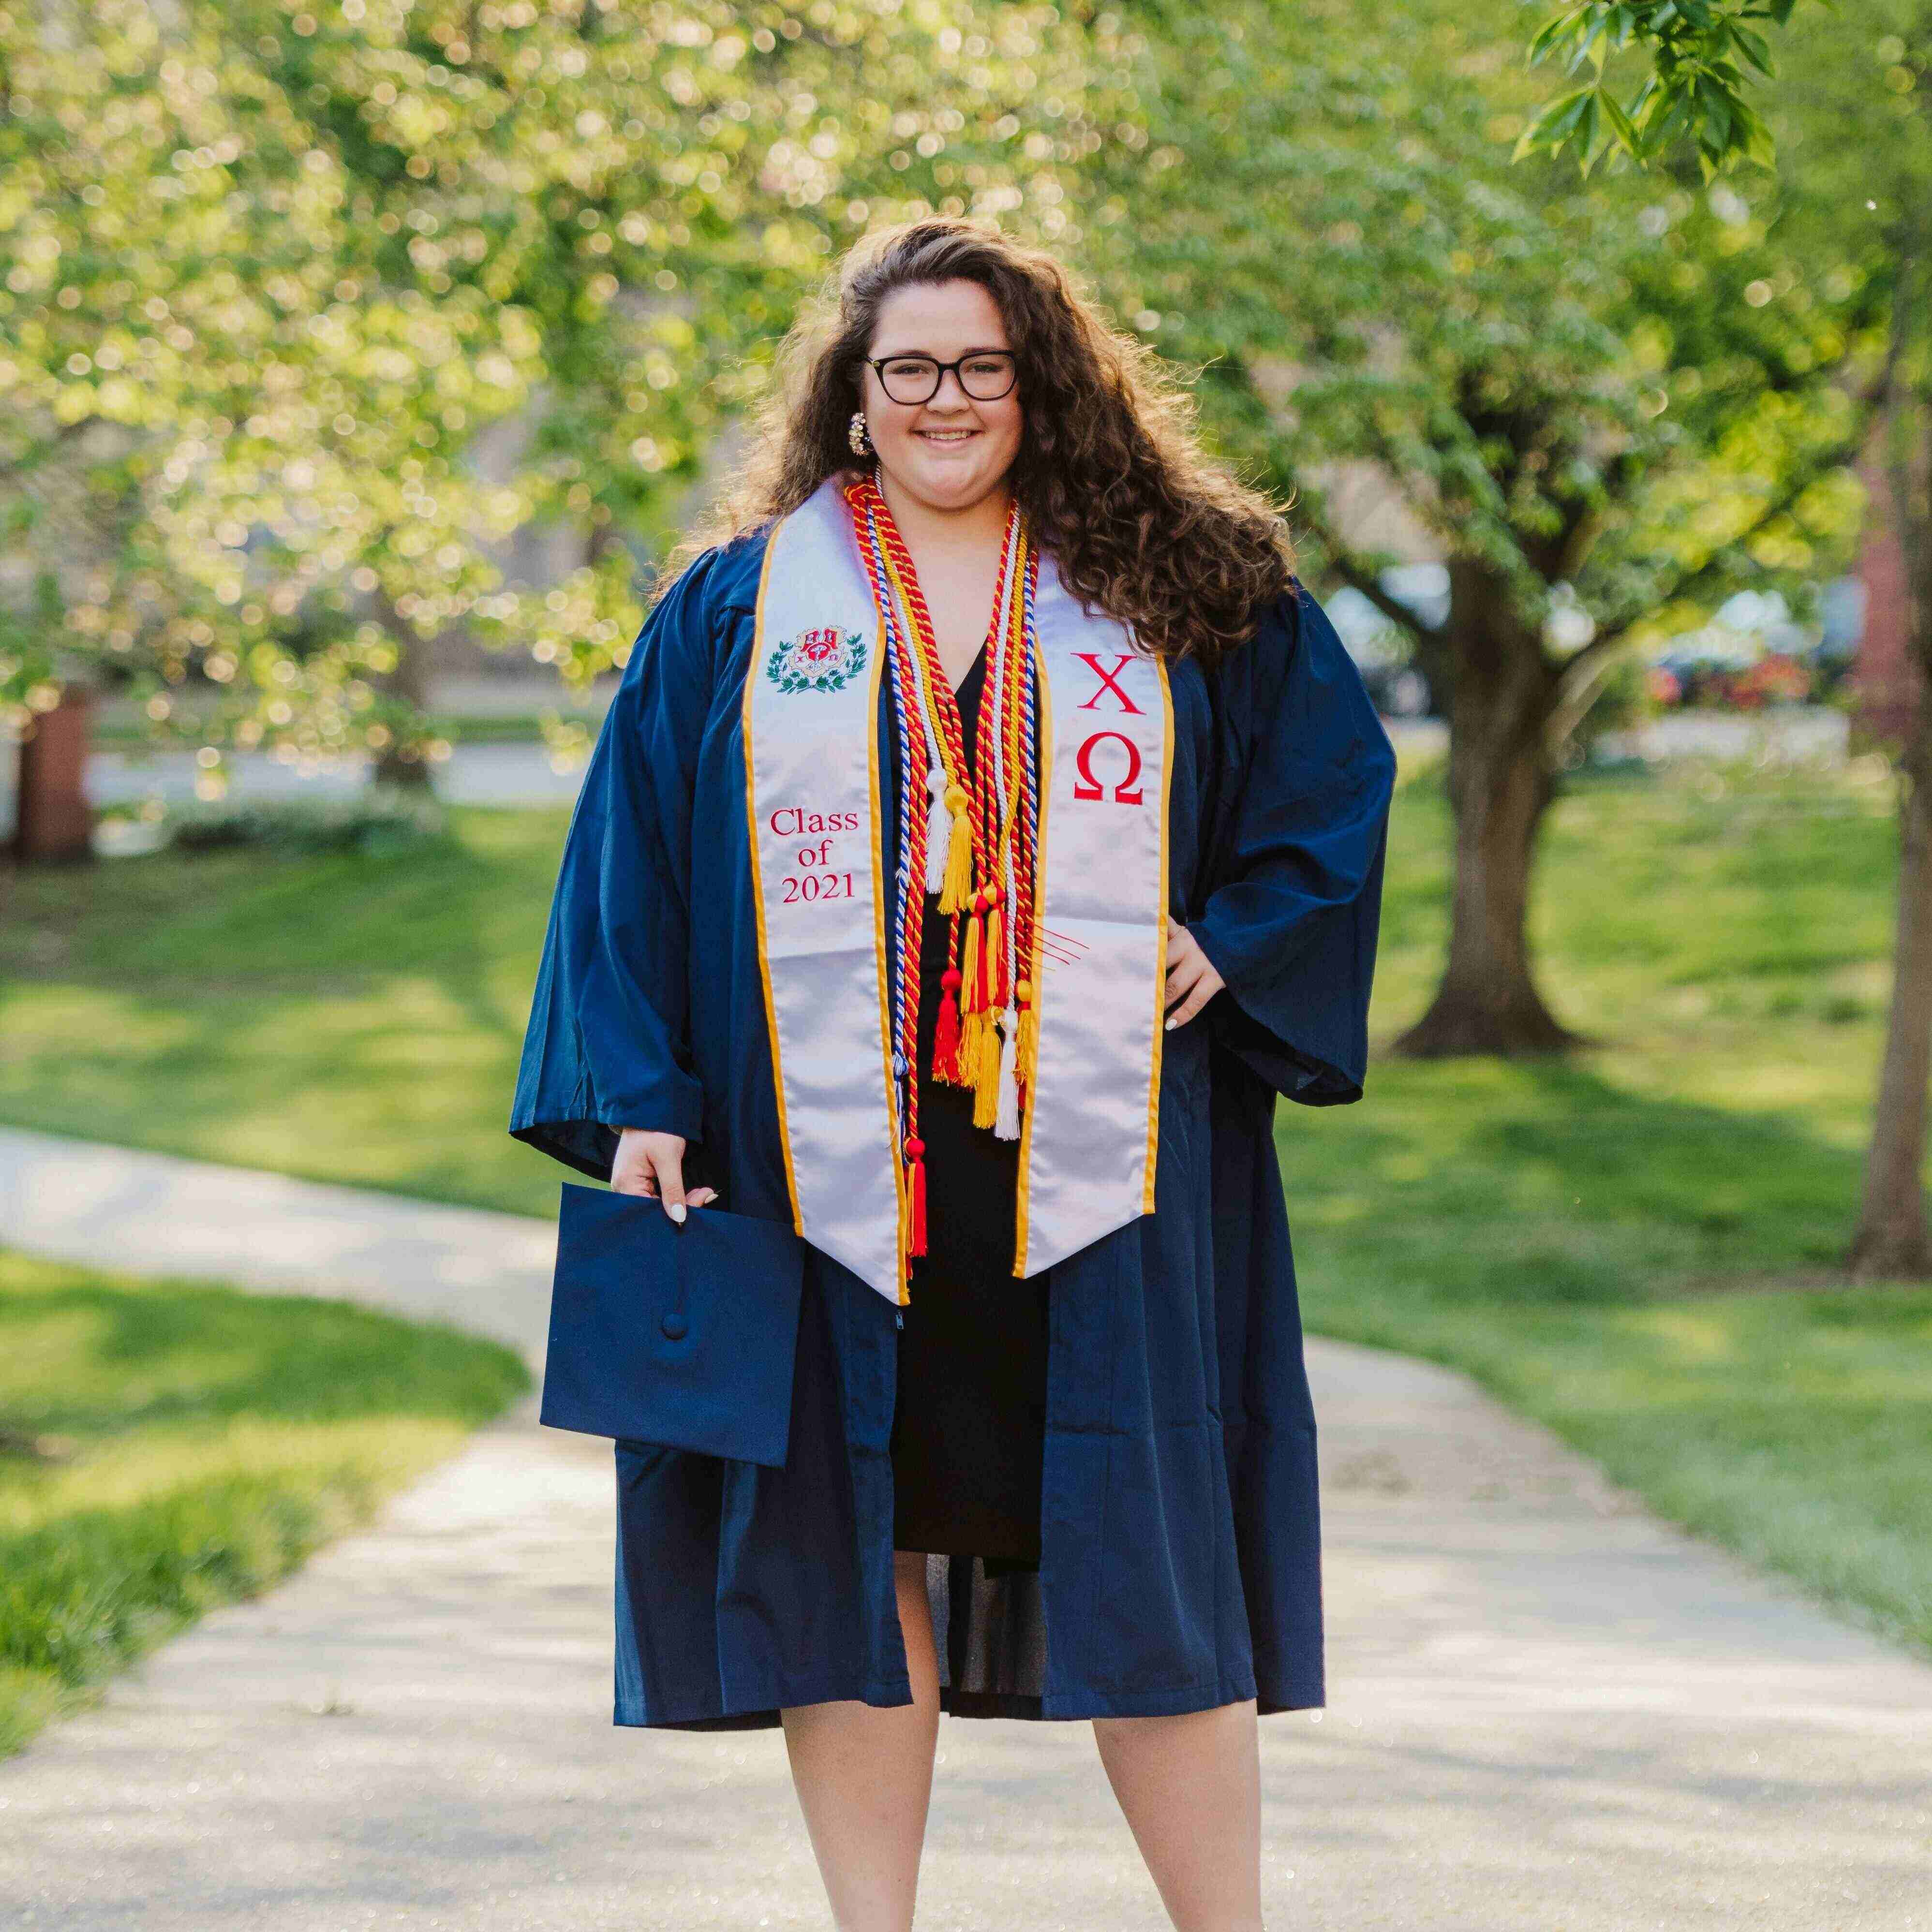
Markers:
(1006, 1122)
(938, 829)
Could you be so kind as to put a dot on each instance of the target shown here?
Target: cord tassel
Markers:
(946, 1031)
(984, 903)
(1029, 1033)
(986, 1085)
(916, 1177)
(956, 887)
(1006, 1120)
(995, 979)
(972, 957)
(938, 830)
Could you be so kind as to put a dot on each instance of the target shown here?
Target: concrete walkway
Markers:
(1549, 1713)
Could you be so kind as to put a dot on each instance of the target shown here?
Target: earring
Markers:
(855, 434)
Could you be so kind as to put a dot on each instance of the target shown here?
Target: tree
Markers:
(1604, 401)
(1854, 129)
(1854, 137)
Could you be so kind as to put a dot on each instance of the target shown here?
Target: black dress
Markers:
(969, 1430)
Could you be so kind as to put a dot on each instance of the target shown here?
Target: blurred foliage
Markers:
(1631, 386)
(306, 308)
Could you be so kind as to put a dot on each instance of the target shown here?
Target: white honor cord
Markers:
(938, 819)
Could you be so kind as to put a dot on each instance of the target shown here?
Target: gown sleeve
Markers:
(1291, 917)
(607, 1045)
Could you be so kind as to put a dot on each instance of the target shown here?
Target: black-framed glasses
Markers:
(984, 374)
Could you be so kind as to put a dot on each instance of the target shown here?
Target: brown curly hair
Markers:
(1109, 476)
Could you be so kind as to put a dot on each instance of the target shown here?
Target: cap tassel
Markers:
(946, 1031)
(916, 1177)
(1006, 1120)
(956, 889)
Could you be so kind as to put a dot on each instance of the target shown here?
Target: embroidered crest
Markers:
(820, 660)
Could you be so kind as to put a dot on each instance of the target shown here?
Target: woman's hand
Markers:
(1191, 979)
(653, 1164)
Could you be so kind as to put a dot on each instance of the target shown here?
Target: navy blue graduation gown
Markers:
(1180, 1550)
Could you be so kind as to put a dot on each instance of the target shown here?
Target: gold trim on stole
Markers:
(1160, 954)
(758, 642)
(1043, 737)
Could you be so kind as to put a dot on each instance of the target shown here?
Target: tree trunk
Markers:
(403, 763)
(1500, 784)
(52, 821)
(1891, 1241)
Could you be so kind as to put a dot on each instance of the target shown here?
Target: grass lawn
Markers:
(165, 1447)
(1633, 1244)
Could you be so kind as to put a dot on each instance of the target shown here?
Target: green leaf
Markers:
(1627, 136)
(1548, 35)
(1755, 48)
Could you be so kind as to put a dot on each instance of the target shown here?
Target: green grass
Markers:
(1635, 1244)
(347, 1017)
(167, 1447)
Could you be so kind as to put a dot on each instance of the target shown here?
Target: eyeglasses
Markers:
(985, 375)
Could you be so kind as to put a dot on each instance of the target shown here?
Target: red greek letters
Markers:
(1107, 677)
(1088, 786)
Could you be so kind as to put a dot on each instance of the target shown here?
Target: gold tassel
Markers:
(986, 1088)
(1029, 1033)
(957, 888)
(969, 992)
(995, 990)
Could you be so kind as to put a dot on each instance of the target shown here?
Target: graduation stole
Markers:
(1051, 863)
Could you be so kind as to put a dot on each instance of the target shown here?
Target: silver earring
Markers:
(855, 435)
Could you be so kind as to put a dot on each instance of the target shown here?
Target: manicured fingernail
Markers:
(676, 1211)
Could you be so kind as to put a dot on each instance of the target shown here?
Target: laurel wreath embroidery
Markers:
(821, 660)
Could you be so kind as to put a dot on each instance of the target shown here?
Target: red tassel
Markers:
(946, 1030)
(915, 1155)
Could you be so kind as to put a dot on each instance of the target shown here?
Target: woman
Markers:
(987, 829)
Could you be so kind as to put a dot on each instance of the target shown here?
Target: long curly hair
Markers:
(1109, 476)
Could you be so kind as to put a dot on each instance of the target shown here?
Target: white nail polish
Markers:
(676, 1211)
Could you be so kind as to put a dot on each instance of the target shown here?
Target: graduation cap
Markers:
(681, 1336)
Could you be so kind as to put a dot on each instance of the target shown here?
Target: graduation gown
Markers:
(1180, 1564)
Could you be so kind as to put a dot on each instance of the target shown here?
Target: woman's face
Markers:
(952, 451)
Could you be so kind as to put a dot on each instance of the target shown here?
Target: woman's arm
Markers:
(1291, 920)
(608, 1047)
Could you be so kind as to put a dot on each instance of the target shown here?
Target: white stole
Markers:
(812, 794)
